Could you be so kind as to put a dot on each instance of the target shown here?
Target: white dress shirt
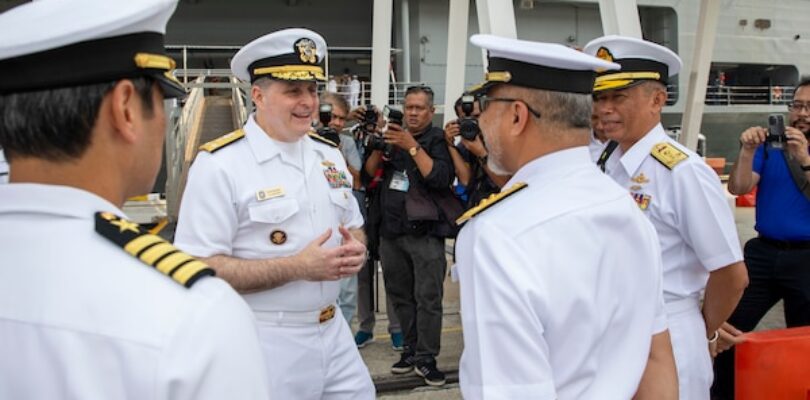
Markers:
(82, 319)
(688, 208)
(560, 287)
(238, 197)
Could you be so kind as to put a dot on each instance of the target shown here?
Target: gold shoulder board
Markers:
(490, 201)
(318, 138)
(151, 249)
(668, 154)
(223, 141)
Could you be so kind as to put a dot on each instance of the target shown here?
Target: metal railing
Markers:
(722, 95)
(177, 152)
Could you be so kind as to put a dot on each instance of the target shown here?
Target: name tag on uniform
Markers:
(399, 181)
(265, 194)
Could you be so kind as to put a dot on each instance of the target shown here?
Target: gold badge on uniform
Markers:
(278, 237)
(643, 200)
(307, 50)
(640, 179)
(265, 194)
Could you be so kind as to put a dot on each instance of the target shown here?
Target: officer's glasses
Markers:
(484, 100)
(799, 106)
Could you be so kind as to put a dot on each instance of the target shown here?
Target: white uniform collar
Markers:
(53, 199)
(552, 165)
(264, 148)
(637, 153)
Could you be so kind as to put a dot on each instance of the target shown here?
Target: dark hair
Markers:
(801, 84)
(421, 89)
(55, 124)
(335, 100)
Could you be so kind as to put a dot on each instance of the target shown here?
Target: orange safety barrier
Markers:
(748, 200)
(718, 164)
(773, 365)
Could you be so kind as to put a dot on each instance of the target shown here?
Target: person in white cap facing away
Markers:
(270, 208)
(552, 307)
(680, 195)
(91, 305)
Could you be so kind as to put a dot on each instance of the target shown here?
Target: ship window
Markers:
(741, 84)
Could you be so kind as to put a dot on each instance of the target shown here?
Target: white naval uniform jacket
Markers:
(688, 208)
(82, 319)
(552, 303)
(241, 196)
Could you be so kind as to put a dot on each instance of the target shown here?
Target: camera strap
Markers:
(798, 175)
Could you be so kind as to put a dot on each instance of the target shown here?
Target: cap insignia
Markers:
(604, 54)
(307, 50)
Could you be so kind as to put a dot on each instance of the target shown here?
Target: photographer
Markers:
(470, 155)
(778, 259)
(417, 176)
(369, 125)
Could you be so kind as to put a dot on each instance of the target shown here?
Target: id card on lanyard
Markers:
(399, 181)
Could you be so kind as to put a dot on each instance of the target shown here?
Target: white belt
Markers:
(298, 317)
(682, 305)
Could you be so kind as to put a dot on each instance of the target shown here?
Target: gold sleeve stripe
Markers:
(172, 261)
(140, 243)
(188, 271)
(154, 253)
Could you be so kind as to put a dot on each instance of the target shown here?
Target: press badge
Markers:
(399, 181)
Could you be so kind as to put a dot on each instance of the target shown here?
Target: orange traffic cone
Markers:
(773, 365)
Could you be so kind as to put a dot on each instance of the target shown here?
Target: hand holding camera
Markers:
(395, 134)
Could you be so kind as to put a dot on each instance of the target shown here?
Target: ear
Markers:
(659, 100)
(520, 117)
(124, 108)
(257, 94)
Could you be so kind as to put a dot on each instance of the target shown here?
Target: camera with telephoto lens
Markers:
(325, 116)
(776, 131)
(467, 125)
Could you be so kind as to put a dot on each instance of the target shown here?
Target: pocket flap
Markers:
(342, 198)
(274, 212)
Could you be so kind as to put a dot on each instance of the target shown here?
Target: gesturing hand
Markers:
(752, 137)
(320, 264)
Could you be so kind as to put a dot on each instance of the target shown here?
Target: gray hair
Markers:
(567, 110)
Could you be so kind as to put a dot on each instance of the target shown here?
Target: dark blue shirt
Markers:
(783, 213)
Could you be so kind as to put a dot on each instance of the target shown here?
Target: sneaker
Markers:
(361, 339)
(397, 341)
(427, 369)
(404, 365)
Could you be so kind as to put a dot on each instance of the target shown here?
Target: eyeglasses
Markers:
(484, 100)
(419, 88)
(798, 106)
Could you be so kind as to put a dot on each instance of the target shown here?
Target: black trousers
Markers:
(774, 274)
(414, 268)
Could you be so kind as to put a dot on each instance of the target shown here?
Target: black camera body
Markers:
(467, 125)
(369, 121)
(776, 131)
(325, 116)
(393, 115)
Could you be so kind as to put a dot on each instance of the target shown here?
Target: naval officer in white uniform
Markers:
(681, 196)
(91, 306)
(270, 207)
(560, 273)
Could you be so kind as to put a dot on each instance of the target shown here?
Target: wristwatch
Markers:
(413, 150)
